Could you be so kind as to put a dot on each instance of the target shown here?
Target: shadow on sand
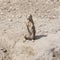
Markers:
(39, 36)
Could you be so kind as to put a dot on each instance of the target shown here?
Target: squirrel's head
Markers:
(29, 17)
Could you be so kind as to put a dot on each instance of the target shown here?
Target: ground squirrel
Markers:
(30, 29)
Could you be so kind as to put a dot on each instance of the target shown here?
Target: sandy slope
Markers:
(46, 16)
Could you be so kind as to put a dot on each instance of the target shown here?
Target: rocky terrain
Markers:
(46, 16)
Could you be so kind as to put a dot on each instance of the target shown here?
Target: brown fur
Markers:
(30, 28)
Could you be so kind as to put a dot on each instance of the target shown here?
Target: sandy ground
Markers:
(46, 16)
